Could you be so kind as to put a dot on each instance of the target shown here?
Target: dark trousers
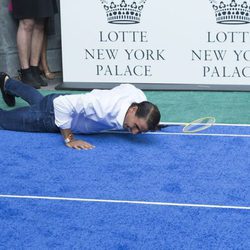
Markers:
(37, 117)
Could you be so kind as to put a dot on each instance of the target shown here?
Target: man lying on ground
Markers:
(123, 107)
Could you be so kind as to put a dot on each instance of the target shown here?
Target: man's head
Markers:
(142, 117)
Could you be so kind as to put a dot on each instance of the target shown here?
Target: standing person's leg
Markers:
(24, 35)
(37, 42)
(36, 49)
(24, 38)
(44, 67)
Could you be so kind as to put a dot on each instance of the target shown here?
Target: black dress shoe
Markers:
(27, 77)
(37, 75)
(8, 98)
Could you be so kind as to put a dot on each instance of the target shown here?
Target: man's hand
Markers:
(79, 144)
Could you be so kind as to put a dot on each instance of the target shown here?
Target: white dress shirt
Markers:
(97, 110)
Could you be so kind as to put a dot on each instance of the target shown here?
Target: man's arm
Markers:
(71, 142)
(64, 107)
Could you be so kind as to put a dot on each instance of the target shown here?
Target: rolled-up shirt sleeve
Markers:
(64, 110)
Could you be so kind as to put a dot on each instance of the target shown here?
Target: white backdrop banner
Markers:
(156, 41)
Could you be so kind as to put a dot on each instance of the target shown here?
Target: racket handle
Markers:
(161, 126)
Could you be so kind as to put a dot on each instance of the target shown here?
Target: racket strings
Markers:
(199, 125)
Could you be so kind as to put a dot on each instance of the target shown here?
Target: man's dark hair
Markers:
(149, 112)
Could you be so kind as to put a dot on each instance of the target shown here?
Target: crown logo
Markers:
(123, 12)
(231, 12)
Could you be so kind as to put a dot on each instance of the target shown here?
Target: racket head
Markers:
(199, 124)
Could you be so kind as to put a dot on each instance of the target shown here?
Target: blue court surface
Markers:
(164, 190)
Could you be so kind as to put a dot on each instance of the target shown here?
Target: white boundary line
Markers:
(185, 134)
(203, 134)
(125, 202)
(215, 124)
(198, 134)
(189, 134)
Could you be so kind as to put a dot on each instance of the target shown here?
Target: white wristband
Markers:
(67, 140)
